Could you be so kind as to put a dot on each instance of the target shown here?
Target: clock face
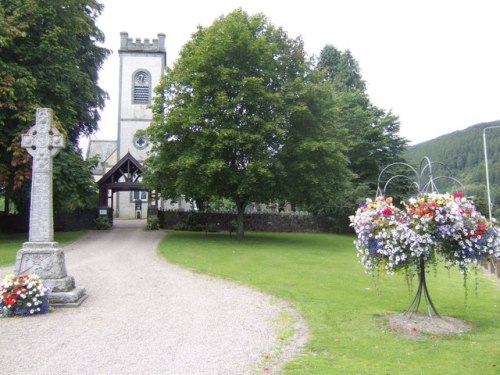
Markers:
(141, 142)
(141, 79)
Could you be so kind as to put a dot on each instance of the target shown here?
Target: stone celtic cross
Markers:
(42, 142)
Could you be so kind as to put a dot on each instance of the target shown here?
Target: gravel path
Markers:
(146, 316)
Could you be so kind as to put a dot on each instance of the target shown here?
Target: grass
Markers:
(320, 276)
(11, 243)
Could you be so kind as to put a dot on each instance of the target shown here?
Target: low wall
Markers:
(265, 222)
(493, 266)
(63, 221)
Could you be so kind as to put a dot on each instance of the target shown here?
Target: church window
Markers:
(139, 195)
(142, 87)
(141, 142)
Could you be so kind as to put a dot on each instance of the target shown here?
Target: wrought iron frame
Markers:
(425, 182)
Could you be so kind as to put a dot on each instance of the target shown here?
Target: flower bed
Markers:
(23, 295)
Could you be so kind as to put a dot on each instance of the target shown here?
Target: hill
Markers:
(463, 153)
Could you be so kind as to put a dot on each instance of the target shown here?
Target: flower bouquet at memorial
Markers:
(23, 295)
(431, 227)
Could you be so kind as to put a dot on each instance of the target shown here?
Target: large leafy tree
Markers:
(373, 134)
(239, 116)
(314, 151)
(49, 57)
(341, 68)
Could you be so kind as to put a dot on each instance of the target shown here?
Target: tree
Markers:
(314, 152)
(373, 134)
(75, 188)
(49, 57)
(235, 116)
(341, 69)
(226, 115)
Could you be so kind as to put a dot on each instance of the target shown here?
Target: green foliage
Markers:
(319, 274)
(221, 204)
(463, 154)
(373, 139)
(193, 218)
(74, 184)
(221, 116)
(102, 223)
(49, 58)
(152, 223)
(244, 116)
(180, 226)
(341, 69)
(313, 159)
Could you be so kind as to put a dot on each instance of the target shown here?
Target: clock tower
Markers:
(142, 64)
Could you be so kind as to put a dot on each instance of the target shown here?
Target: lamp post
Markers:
(487, 170)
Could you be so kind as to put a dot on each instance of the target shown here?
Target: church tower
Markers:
(142, 64)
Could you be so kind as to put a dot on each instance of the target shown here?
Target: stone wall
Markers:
(493, 266)
(265, 222)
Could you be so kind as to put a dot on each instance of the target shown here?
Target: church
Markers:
(119, 171)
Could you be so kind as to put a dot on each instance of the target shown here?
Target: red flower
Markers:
(387, 212)
(9, 299)
(459, 195)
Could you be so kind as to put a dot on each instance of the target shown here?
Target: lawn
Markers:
(11, 243)
(320, 276)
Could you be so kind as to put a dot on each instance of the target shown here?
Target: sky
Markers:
(433, 63)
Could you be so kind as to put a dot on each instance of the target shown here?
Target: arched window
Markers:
(142, 87)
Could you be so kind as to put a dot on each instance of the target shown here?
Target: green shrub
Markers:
(153, 223)
(193, 218)
(102, 223)
(211, 227)
(233, 226)
(197, 228)
(179, 226)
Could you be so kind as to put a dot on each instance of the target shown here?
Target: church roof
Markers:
(104, 150)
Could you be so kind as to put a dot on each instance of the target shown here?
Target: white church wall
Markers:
(136, 56)
(131, 63)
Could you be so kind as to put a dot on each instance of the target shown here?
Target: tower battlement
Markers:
(129, 44)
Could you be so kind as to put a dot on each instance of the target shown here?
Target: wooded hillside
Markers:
(463, 152)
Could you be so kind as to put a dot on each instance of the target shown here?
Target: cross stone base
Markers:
(46, 260)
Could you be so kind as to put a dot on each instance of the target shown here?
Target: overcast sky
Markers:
(434, 63)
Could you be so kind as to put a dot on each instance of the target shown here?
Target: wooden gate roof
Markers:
(124, 176)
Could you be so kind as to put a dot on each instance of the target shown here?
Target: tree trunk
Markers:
(6, 204)
(240, 231)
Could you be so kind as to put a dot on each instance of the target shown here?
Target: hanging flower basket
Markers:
(431, 227)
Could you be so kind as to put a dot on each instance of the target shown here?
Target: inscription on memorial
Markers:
(42, 142)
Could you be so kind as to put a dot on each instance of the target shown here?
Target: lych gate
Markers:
(124, 176)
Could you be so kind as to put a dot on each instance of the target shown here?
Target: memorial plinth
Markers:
(41, 255)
